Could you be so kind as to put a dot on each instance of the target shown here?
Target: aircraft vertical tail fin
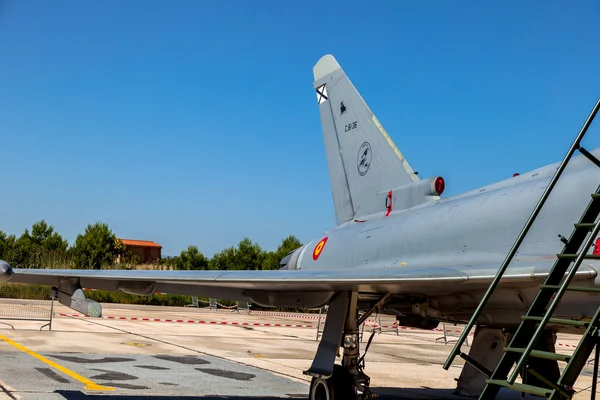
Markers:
(362, 158)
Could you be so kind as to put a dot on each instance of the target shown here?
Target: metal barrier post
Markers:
(49, 324)
(319, 330)
(6, 323)
(362, 331)
(20, 302)
(212, 304)
(394, 327)
(447, 335)
(194, 302)
(243, 306)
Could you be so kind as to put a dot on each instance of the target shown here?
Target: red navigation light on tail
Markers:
(439, 185)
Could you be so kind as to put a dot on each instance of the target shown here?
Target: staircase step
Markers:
(559, 321)
(574, 256)
(534, 390)
(572, 288)
(585, 225)
(547, 355)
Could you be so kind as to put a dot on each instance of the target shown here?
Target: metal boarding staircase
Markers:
(539, 314)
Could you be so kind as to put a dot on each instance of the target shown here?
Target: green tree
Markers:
(7, 243)
(224, 259)
(20, 253)
(97, 247)
(42, 248)
(247, 255)
(191, 259)
(273, 258)
(43, 236)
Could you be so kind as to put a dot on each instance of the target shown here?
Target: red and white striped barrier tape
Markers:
(235, 323)
(276, 314)
(566, 345)
(298, 316)
(192, 321)
(189, 321)
(374, 323)
(93, 290)
(224, 306)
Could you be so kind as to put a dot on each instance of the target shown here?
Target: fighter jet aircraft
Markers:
(398, 248)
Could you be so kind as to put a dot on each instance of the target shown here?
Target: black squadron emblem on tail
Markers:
(342, 108)
(364, 158)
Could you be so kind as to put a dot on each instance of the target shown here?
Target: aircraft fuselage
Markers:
(474, 228)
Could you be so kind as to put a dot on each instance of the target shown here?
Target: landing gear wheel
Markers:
(339, 386)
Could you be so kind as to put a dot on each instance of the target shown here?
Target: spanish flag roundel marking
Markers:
(319, 248)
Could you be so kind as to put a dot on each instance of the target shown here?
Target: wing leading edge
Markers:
(245, 285)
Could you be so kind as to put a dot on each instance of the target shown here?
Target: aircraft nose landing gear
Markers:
(341, 382)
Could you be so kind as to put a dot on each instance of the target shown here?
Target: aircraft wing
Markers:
(245, 285)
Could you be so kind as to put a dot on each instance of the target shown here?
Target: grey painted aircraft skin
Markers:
(395, 234)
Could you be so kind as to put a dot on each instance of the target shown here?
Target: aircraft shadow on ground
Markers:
(384, 394)
(77, 395)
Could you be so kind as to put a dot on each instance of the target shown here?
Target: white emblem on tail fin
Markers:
(322, 93)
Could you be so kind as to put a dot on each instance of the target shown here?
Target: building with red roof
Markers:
(147, 251)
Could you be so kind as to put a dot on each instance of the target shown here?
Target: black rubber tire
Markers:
(339, 386)
(343, 383)
(321, 389)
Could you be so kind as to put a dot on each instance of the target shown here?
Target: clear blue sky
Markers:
(195, 122)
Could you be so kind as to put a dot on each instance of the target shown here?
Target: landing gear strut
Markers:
(341, 382)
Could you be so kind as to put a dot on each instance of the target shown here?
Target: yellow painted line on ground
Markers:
(89, 385)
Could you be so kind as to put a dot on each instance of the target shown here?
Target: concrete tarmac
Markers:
(210, 355)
